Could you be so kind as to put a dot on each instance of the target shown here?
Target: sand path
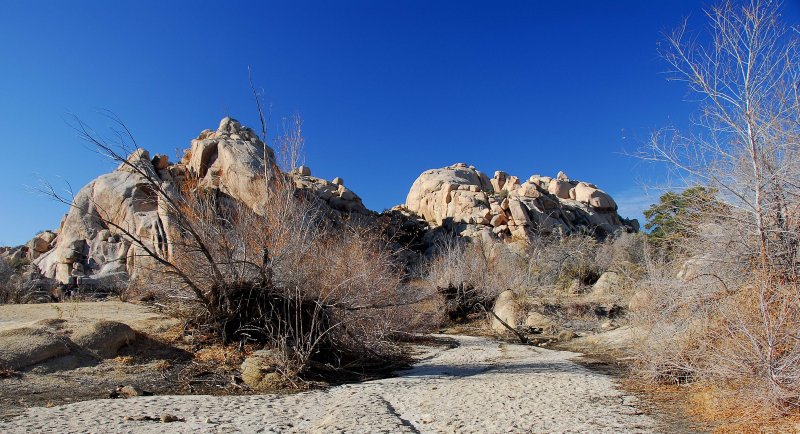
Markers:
(479, 386)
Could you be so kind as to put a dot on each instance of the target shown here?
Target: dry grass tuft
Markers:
(124, 360)
(162, 365)
(220, 355)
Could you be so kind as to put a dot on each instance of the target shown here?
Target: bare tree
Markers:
(736, 322)
(746, 144)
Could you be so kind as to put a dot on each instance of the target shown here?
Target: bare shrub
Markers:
(465, 271)
(8, 291)
(329, 294)
(557, 263)
(14, 288)
(284, 275)
(742, 338)
(472, 272)
(291, 143)
(621, 251)
(670, 318)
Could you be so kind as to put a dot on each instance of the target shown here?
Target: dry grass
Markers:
(711, 408)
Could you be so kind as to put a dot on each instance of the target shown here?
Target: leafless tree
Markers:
(738, 321)
(291, 143)
(746, 144)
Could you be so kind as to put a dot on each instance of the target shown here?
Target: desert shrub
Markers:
(7, 293)
(12, 287)
(17, 264)
(6, 271)
(466, 272)
(757, 347)
(626, 255)
(739, 333)
(667, 319)
(288, 278)
(560, 263)
(621, 251)
(472, 272)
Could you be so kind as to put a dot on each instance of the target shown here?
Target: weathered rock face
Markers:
(61, 343)
(86, 245)
(27, 346)
(40, 244)
(514, 210)
(232, 159)
(458, 192)
(607, 284)
(103, 338)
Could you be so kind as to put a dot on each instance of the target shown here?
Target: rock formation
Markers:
(91, 248)
(510, 209)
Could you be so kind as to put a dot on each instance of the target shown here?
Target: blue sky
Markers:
(387, 89)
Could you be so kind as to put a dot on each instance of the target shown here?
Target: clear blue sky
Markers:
(387, 88)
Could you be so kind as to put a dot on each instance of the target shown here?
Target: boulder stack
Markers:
(511, 209)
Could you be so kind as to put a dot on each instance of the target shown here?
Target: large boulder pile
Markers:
(458, 192)
(94, 245)
(510, 209)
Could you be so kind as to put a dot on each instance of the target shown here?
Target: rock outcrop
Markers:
(457, 192)
(91, 239)
(510, 209)
(93, 246)
(260, 370)
(30, 345)
(103, 338)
